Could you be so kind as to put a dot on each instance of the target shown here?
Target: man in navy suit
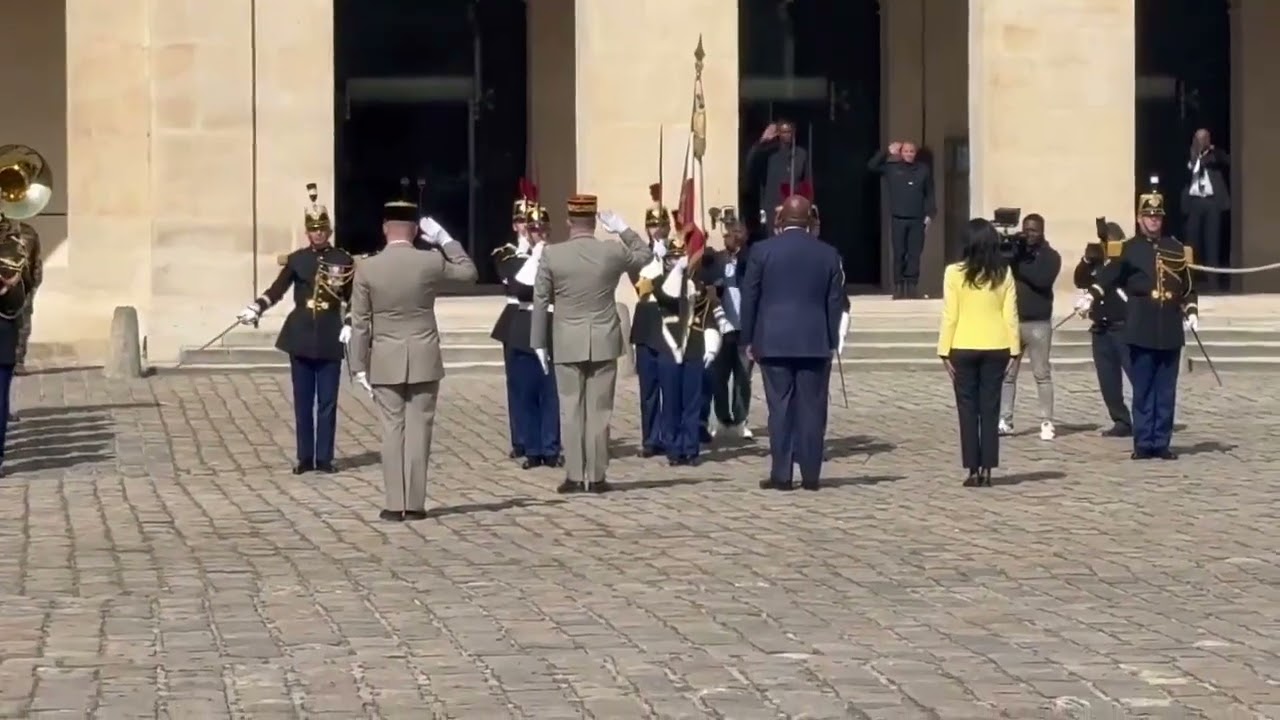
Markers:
(792, 300)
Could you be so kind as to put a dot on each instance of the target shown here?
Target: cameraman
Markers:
(1035, 267)
(1110, 353)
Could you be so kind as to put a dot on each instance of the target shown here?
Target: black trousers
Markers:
(979, 376)
(1204, 233)
(1111, 360)
(907, 235)
(732, 372)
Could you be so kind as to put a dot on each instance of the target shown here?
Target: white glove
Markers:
(844, 333)
(711, 345)
(543, 360)
(433, 232)
(611, 222)
(659, 249)
(249, 315)
(362, 379)
(682, 263)
(1084, 302)
(1191, 322)
(344, 335)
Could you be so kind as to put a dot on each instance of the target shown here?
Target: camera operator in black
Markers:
(1035, 266)
(1110, 352)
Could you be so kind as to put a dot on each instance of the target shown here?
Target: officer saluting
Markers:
(314, 333)
(535, 407)
(1153, 273)
(517, 251)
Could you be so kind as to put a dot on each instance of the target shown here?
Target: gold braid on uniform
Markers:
(330, 280)
(1171, 265)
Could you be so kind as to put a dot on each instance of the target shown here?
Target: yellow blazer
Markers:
(982, 318)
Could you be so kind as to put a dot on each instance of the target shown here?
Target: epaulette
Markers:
(505, 252)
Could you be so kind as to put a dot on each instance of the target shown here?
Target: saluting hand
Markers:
(610, 221)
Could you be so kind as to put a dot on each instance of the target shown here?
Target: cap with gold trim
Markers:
(315, 215)
(582, 206)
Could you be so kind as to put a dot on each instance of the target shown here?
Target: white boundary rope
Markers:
(1234, 271)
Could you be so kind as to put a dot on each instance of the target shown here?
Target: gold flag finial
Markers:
(698, 123)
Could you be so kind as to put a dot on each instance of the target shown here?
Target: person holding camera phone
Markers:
(1035, 266)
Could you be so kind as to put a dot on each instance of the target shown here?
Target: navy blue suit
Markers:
(792, 300)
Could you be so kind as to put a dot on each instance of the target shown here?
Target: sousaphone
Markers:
(26, 187)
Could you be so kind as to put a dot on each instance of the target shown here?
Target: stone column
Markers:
(202, 171)
(634, 77)
(1051, 114)
(108, 172)
(553, 107)
(1255, 147)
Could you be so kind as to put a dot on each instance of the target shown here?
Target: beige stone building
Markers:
(182, 132)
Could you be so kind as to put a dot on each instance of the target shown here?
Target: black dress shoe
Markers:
(1118, 430)
(692, 461)
(769, 484)
(553, 461)
(974, 479)
(600, 488)
(1140, 455)
(410, 515)
(810, 485)
(391, 516)
(675, 461)
(649, 452)
(984, 477)
(515, 453)
(1165, 454)
(531, 463)
(301, 468)
(569, 486)
(326, 468)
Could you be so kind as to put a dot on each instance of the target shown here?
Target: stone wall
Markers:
(1051, 114)
(192, 129)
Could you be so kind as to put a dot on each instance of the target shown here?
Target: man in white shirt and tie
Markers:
(1204, 200)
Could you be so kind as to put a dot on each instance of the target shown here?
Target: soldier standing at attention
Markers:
(314, 333)
(581, 274)
(646, 328)
(395, 346)
(525, 203)
(1110, 352)
(35, 259)
(537, 406)
(1152, 271)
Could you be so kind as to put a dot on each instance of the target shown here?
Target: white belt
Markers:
(529, 306)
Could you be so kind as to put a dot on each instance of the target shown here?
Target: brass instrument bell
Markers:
(26, 182)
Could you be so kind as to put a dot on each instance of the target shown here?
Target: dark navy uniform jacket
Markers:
(311, 330)
(516, 321)
(1158, 300)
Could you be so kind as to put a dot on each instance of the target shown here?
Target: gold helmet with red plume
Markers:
(657, 215)
(526, 201)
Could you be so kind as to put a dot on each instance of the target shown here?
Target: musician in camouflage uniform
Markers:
(35, 260)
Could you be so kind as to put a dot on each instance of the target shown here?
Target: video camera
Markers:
(1007, 222)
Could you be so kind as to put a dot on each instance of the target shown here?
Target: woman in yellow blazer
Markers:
(979, 343)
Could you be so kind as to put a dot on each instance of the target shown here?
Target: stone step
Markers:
(456, 355)
(281, 364)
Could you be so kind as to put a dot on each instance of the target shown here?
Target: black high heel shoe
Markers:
(973, 480)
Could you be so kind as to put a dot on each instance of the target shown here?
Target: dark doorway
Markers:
(817, 63)
(1184, 83)
(433, 91)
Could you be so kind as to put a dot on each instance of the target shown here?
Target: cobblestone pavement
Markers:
(158, 560)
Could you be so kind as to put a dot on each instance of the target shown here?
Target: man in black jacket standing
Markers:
(772, 163)
(1204, 200)
(909, 184)
(1110, 353)
(1035, 267)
